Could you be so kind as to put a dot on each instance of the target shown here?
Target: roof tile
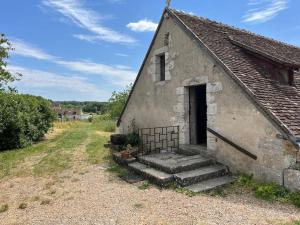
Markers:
(281, 100)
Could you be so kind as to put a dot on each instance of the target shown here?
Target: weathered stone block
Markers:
(212, 109)
(180, 91)
(214, 87)
(292, 179)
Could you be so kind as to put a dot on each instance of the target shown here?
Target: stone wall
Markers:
(230, 112)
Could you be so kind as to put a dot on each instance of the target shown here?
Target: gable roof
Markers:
(282, 102)
(227, 44)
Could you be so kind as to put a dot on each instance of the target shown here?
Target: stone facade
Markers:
(229, 111)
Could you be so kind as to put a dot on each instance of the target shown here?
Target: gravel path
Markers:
(94, 196)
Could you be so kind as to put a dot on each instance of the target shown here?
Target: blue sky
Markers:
(85, 49)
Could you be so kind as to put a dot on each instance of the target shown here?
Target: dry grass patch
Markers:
(3, 208)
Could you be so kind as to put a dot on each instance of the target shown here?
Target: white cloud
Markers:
(57, 83)
(24, 49)
(121, 54)
(119, 74)
(264, 10)
(142, 26)
(89, 20)
(86, 37)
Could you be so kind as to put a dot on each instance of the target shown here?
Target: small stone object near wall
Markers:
(292, 179)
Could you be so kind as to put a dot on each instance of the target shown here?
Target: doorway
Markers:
(198, 115)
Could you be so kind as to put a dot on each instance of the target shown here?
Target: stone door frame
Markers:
(181, 109)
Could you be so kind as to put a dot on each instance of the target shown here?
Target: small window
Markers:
(283, 77)
(162, 65)
(167, 39)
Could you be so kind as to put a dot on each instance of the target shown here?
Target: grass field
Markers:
(58, 151)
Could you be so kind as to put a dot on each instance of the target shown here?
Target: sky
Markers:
(85, 49)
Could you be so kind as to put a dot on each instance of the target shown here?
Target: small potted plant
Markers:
(126, 153)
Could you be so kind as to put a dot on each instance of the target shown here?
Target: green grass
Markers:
(104, 123)
(268, 192)
(117, 169)
(59, 156)
(145, 185)
(10, 159)
(96, 153)
(184, 191)
(107, 126)
(56, 154)
(295, 222)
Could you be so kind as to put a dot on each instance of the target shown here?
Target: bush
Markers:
(245, 181)
(295, 198)
(133, 139)
(24, 119)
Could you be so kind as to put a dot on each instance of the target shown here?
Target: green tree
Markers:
(117, 102)
(5, 76)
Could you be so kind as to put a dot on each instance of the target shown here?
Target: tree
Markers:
(5, 76)
(117, 102)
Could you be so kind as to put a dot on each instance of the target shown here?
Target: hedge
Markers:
(24, 119)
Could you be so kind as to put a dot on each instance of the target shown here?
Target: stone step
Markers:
(194, 176)
(192, 149)
(156, 176)
(174, 163)
(210, 184)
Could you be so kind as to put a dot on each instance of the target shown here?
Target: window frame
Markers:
(162, 66)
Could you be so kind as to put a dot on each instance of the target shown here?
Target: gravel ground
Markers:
(94, 196)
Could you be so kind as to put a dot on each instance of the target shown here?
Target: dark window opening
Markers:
(166, 40)
(274, 71)
(162, 63)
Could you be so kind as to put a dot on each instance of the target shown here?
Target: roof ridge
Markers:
(220, 24)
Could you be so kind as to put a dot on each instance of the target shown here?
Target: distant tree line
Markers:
(86, 106)
(113, 107)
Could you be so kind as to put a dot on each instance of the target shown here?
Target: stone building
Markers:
(233, 95)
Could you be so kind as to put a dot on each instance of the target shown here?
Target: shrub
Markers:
(295, 198)
(133, 139)
(245, 181)
(24, 119)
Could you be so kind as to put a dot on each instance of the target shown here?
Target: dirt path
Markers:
(88, 194)
(98, 197)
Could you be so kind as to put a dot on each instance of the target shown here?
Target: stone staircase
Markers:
(193, 172)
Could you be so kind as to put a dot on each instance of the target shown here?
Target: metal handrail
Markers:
(239, 148)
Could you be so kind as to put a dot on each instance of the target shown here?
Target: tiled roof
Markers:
(227, 44)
